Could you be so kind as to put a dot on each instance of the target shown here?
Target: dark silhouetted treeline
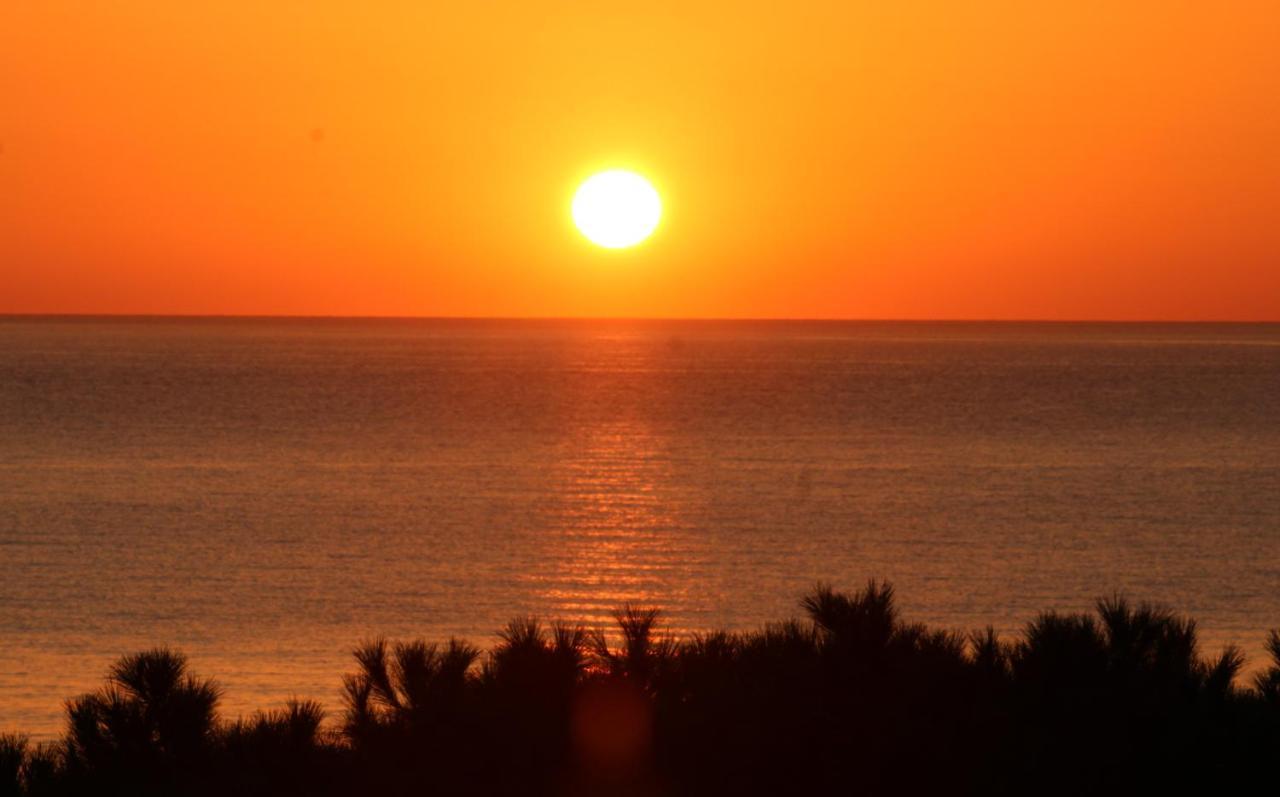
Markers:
(849, 700)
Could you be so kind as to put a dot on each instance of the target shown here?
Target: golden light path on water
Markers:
(618, 539)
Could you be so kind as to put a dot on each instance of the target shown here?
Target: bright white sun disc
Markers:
(617, 208)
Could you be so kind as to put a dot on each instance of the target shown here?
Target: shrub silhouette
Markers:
(13, 760)
(850, 698)
(410, 686)
(283, 751)
(1267, 682)
(148, 730)
(528, 684)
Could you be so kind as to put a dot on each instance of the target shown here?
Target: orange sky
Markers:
(883, 160)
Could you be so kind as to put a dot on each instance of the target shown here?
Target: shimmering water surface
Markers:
(266, 493)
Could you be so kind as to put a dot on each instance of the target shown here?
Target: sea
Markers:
(265, 493)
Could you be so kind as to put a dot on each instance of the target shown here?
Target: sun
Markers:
(616, 208)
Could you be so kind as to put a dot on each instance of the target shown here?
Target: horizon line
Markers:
(587, 318)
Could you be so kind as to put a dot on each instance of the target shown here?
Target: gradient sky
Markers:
(883, 160)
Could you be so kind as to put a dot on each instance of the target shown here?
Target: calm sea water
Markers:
(266, 493)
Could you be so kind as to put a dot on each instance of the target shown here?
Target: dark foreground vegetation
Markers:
(850, 700)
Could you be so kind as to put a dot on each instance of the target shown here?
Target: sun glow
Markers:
(616, 209)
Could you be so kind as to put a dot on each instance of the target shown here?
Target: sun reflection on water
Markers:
(616, 535)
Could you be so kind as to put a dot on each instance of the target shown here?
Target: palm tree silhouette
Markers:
(406, 684)
(152, 724)
(1267, 682)
(644, 653)
(13, 759)
(851, 697)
